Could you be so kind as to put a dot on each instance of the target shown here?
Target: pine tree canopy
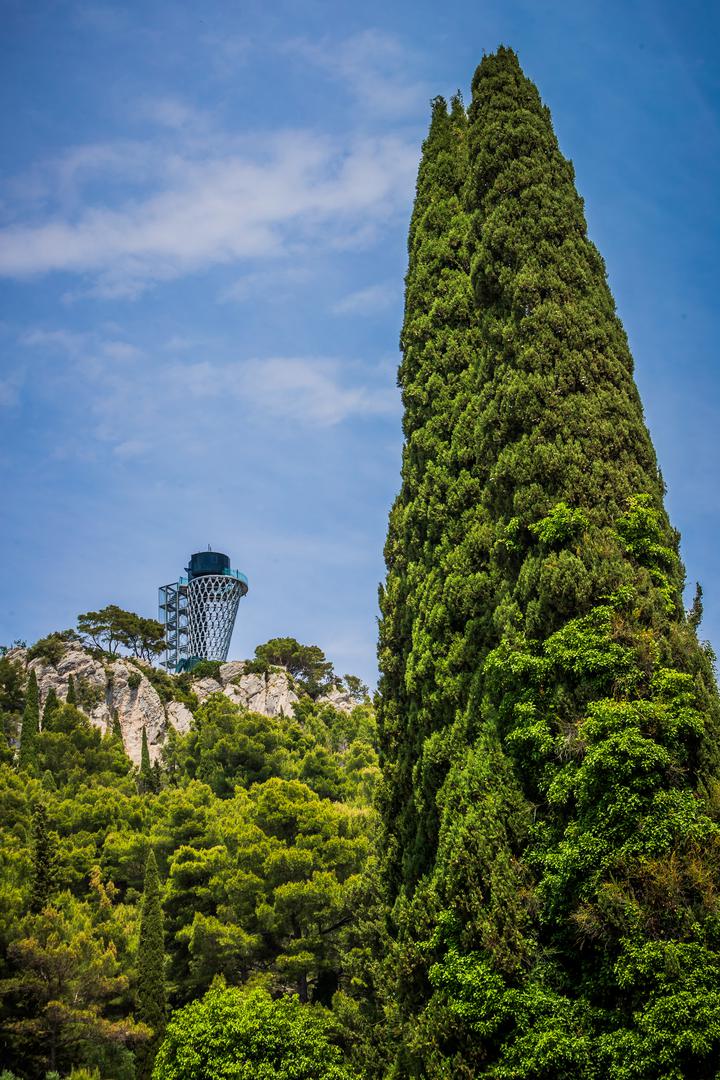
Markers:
(548, 719)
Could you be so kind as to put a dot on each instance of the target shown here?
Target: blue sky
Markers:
(203, 213)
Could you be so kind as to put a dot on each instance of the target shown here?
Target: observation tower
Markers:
(198, 611)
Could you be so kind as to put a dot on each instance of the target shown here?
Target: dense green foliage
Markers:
(151, 992)
(232, 1034)
(245, 851)
(439, 340)
(43, 882)
(548, 720)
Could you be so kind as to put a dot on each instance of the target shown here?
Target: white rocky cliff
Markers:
(106, 688)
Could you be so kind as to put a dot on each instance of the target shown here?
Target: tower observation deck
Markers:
(198, 611)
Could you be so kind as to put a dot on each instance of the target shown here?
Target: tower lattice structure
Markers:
(198, 611)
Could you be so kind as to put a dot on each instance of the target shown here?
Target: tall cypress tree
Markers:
(44, 860)
(27, 757)
(146, 779)
(71, 692)
(439, 338)
(51, 704)
(566, 780)
(151, 992)
(116, 728)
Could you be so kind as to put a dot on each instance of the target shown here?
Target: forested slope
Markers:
(257, 829)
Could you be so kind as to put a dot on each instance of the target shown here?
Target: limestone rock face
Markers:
(179, 716)
(122, 688)
(341, 700)
(231, 670)
(138, 707)
(279, 696)
(75, 662)
(271, 694)
(205, 687)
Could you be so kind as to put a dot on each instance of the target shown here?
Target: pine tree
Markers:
(71, 692)
(48, 781)
(44, 860)
(27, 757)
(542, 688)
(151, 993)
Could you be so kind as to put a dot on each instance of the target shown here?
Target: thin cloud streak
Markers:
(134, 408)
(374, 66)
(295, 189)
(367, 300)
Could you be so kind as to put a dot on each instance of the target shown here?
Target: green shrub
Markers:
(53, 647)
(206, 669)
(245, 1035)
(88, 694)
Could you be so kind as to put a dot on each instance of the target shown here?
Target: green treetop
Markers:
(27, 756)
(112, 629)
(232, 1034)
(307, 663)
(545, 704)
(151, 993)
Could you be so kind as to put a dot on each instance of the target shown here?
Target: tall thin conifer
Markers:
(27, 757)
(51, 704)
(549, 722)
(151, 991)
(44, 860)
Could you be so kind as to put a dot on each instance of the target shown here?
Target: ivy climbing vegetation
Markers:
(549, 722)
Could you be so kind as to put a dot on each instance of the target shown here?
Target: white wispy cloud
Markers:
(285, 191)
(364, 301)
(137, 400)
(374, 66)
(279, 281)
(313, 391)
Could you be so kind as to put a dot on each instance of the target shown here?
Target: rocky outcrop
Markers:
(342, 700)
(105, 689)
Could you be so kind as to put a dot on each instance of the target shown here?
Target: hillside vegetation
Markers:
(255, 832)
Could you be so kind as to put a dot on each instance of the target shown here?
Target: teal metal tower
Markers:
(198, 611)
